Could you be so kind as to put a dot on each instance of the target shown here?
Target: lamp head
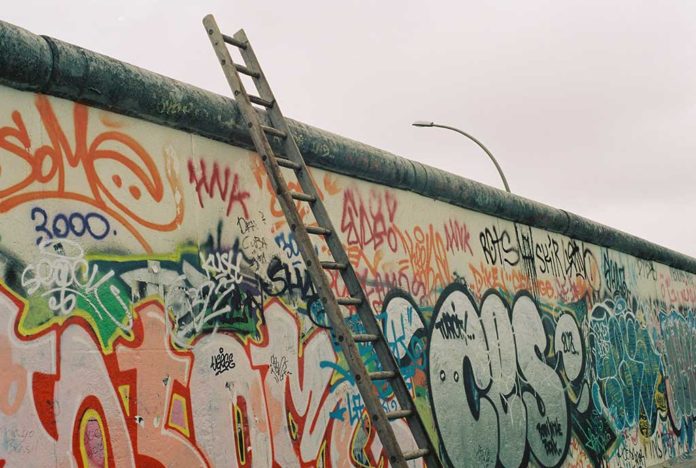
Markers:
(422, 123)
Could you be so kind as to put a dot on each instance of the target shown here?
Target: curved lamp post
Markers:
(423, 123)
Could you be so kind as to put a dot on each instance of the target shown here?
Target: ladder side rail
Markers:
(400, 389)
(341, 330)
(369, 321)
(380, 346)
(277, 119)
(307, 184)
(338, 252)
(260, 141)
(343, 334)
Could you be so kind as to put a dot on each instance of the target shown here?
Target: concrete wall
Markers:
(154, 309)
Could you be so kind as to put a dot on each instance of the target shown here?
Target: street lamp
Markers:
(423, 123)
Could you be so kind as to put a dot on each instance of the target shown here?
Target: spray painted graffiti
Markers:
(216, 183)
(73, 224)
(42, 174)
(494, 378)
(158, 413)
(679, 338)
(627, 367)
(371, 222)
(63, 282)
(143, 321)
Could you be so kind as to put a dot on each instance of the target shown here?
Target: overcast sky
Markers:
(588, 106)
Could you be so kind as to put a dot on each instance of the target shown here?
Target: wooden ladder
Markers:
(292, 159)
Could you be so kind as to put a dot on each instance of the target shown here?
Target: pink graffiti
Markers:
(370, 223)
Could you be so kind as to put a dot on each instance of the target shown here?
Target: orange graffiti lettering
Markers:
(11, 374)
(261, 175)
(427, 257)
(74, 170)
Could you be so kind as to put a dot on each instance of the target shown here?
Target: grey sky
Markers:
(589, 106)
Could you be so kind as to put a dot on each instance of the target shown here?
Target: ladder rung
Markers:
(365, 338)
(381, 375)
(274, 131)
(287, 163)
(320, 231)
(353, 301)
(260, 102)
(302, 196)
(416, 454)
(246, 71)
(398, 414)
(333, 265)
(233, 41)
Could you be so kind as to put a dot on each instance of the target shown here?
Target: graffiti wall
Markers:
(155, 311)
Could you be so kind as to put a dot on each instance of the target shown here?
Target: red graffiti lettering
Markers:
(457, 237)
(368, 224)
(216, 182)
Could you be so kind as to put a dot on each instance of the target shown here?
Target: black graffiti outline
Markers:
(519, 389)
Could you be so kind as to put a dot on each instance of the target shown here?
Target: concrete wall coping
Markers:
(46, 65)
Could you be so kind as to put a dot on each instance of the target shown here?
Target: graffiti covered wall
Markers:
(155, 311)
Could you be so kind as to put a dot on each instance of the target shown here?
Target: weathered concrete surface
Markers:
(54, 67)
(155, 311)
